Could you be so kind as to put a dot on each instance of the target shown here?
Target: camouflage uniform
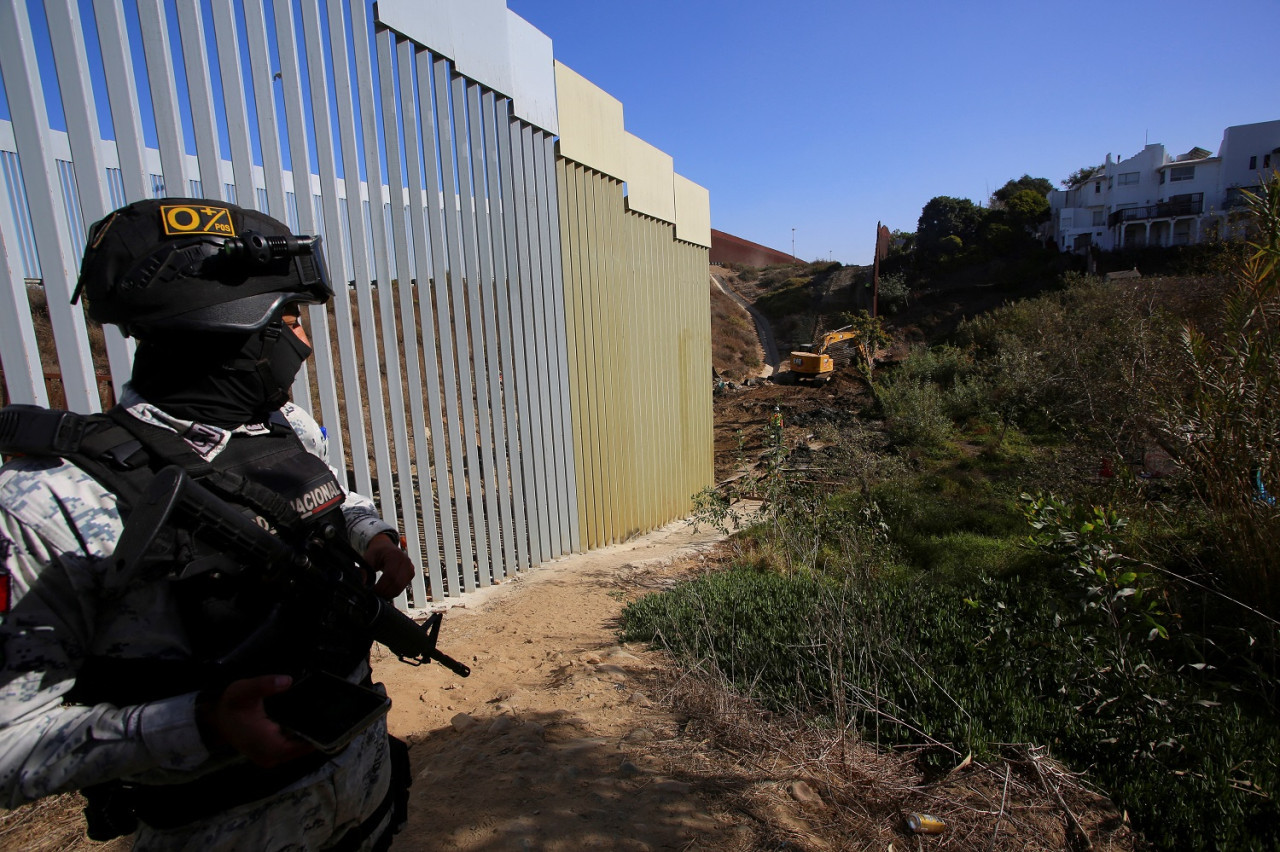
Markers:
(57, 524)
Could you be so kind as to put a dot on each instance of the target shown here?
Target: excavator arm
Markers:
(831, 338)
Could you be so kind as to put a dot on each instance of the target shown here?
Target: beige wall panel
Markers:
(640, 356)
(597, 404)
(591, 130)
(650, 178)
(693, 213)
(610, 208)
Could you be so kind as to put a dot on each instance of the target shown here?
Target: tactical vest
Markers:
(274, 480)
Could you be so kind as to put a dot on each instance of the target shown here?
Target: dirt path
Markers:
(552, 742)
(545, 746)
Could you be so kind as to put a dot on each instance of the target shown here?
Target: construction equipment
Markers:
(817, 366)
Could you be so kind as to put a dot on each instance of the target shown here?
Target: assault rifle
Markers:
(323, 570)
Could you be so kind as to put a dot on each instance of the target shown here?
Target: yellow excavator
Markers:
(817, 366)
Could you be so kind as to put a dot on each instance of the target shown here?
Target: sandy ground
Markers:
(547, 745)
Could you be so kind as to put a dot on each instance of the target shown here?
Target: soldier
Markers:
(120, 686)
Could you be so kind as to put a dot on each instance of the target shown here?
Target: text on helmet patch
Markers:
(182, 219)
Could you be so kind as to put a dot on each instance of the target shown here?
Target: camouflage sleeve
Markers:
(363, 521)
(55, 525)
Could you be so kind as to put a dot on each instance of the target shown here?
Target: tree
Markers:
(1040, 186)
(946, 217)
(869, 340)
(1080, 175)
(901, 242)
(1026, 208)
(894, 293)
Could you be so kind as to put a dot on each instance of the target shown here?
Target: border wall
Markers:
(518, 367)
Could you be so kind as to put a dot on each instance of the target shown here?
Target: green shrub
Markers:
(893, 293)
(914, 412)
(943, 365)
(1223, 427)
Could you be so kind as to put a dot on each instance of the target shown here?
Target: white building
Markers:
(1154, 199)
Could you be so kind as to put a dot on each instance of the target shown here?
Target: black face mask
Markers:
(224, 380)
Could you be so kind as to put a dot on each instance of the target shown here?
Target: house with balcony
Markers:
(1157, 199)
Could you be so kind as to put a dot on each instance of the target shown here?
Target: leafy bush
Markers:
(1082, 360)
(942, 365)
(1223, 428)
(894, 292)
(914, 412)
(947, 524)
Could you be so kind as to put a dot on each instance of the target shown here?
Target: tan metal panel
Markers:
(591, 349)
(638, 311)
(659, 420)
(571, 252)
(693, 213)
(650, 177)
(599, 251)
(566, 185)
(597, 414)
(616, 354)
(591, 130)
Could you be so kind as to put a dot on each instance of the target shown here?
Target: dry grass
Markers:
(48, 352)
(735, 350)
(53, 824)
(753, 763)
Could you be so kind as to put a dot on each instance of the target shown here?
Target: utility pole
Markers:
(793, 245)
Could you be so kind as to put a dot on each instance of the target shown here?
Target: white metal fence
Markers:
(441, 370)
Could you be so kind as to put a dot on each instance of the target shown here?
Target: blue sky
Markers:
(828, 116)
(825, 116)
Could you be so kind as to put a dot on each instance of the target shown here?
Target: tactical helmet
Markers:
(194, 265)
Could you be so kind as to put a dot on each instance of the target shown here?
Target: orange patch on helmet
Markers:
(178, 220)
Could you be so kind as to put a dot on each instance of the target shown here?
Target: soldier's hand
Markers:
(236, 718)
(397, 569)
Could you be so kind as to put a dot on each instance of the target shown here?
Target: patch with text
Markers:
(182, 219)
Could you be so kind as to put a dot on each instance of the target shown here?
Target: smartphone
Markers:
(325, 710)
